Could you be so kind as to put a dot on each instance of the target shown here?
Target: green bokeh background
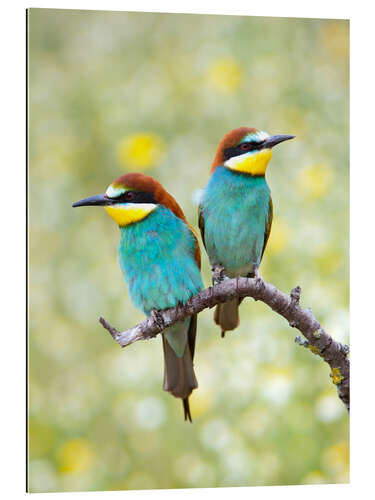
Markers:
(266, 411)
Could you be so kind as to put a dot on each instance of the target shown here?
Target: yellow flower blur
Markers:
(200, 402)
(225, 75)
(315, 181)
(279, 236)
(335, 37)
(75, 456)
(336, 459)
(141, 151)
(314, 477)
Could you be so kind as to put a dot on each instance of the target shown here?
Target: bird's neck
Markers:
(142, 235)
(231, 185)
(238, 176)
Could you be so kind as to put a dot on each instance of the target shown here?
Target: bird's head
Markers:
(131, 198)
(247, 150)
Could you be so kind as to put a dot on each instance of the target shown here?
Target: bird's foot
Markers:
(218, 274)
(181, 309)
(258, 279)
(157, 317)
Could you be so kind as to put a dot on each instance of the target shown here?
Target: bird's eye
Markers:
(129, 195)
(245, 146)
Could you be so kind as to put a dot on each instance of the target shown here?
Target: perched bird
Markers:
(235, 213)
(160, 258)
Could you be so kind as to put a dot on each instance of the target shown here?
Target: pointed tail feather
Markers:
(226, 315)
(179, 376)
(187, 414)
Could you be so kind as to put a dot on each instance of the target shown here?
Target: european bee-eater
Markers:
(235, 214)
(160, 258)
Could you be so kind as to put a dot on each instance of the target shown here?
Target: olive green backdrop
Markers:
(112, 92)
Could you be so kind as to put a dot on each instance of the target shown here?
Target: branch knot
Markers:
(295, 296)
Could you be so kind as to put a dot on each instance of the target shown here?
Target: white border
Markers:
(362, 247)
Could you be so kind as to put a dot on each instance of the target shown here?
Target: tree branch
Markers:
(317, 339)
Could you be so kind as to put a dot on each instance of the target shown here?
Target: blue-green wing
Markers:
(201, 224)
(268, 227)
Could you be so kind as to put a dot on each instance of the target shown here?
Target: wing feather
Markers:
(268, 226)
(201, 224)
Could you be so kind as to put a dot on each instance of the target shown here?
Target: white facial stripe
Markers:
(256, 136)
(131, 206)
(239, 158)
(113, 192)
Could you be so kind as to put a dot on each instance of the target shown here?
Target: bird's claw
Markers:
(157, 317)
(257, 277)
(218, 274)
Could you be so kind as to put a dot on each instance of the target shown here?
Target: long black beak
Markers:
(97, 200)
(276, 139)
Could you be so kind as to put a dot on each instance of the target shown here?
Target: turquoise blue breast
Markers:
(235, 209)
(156, 256)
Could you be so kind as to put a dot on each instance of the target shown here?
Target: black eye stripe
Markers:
(238, 150)
(129, 195)
(135, 197)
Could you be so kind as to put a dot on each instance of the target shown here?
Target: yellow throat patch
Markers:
(128, 213)
(254, 163)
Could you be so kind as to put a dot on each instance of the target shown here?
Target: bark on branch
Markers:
(316, 338)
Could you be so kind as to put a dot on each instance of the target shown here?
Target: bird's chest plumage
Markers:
(157, 258)
(235, 210)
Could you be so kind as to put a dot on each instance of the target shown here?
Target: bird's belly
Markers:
(235, 210)
(235, 239)
(236, 247)
(160, 272)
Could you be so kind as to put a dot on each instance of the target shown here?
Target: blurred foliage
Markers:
(112, 92)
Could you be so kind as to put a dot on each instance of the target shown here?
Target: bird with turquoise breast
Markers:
(160, 259)
(235, 213)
